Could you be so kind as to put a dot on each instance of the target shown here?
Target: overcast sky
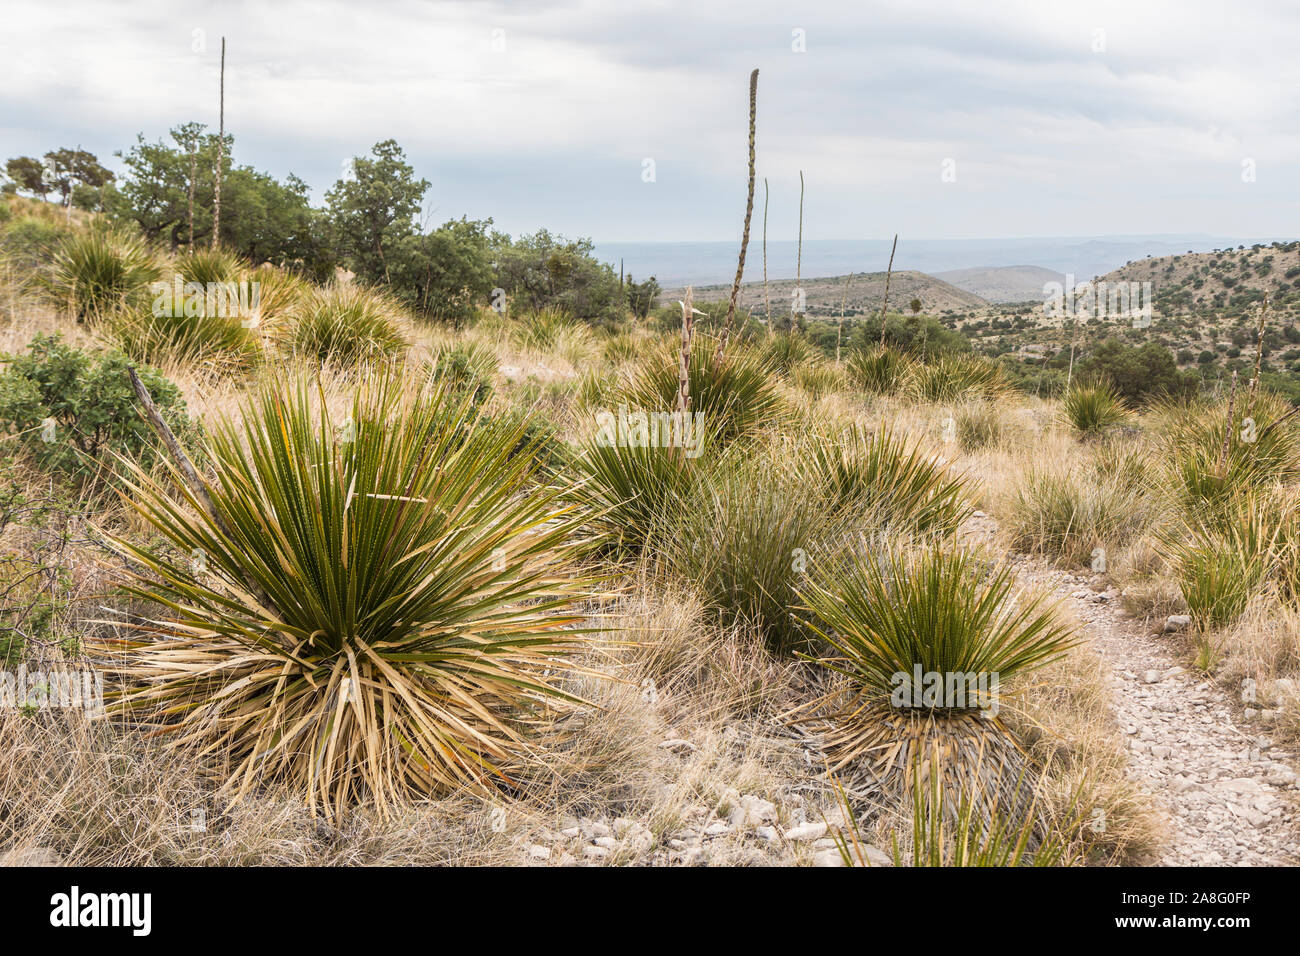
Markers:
(1049, 118)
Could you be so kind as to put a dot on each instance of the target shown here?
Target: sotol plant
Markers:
(940, 612)
(96, 272)
(1091, 407)
(901, 486)
(368, 611)
(345, 325)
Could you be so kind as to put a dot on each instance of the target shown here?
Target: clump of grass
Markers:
(345, 325)
(894, 482)
(749, 536)
(878, 369)
(1220, 565)
(370, 610)
(1067, 515)
(97, 272)
(953, 378)
(979, 425)
(1263, 448)
(818, 378)
(1092, 407)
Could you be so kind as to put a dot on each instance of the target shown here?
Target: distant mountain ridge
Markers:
(825, 295)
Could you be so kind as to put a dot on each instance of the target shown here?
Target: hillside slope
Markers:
(1003, 283)
(866, 292)
(1228, 281)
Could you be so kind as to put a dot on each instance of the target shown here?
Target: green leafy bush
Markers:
(72, 409)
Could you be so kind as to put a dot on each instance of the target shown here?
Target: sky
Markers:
(626, 121)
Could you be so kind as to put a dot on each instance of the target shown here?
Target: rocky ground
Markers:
(1205, 758)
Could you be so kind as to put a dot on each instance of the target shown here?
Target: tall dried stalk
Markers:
(684, 362)
(1259, 350)
(839, 326)
(221, 151)
(889, 274)
(1227, 426)
(749, 212)
(767, 302)
(798, 261)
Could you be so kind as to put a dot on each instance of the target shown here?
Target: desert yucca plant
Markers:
(785, 351)
(210, 266)
(949, 825)
(278, 293)
(96, 272)
(737, 395)
(161, 337)
(878, 369)
(952, 378)
(368, 610)
(551, 330)
(632, 492)
(345, 325)
(896, 482)
(1091, 407)
(924, 643)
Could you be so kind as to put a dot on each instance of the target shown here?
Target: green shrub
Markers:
(74, 409)
(467, 367)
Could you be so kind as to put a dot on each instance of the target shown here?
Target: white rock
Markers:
(752, 811)
(806, 832)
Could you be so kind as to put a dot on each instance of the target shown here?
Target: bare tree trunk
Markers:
(884, 308)
(749, 211)
(221, 152)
